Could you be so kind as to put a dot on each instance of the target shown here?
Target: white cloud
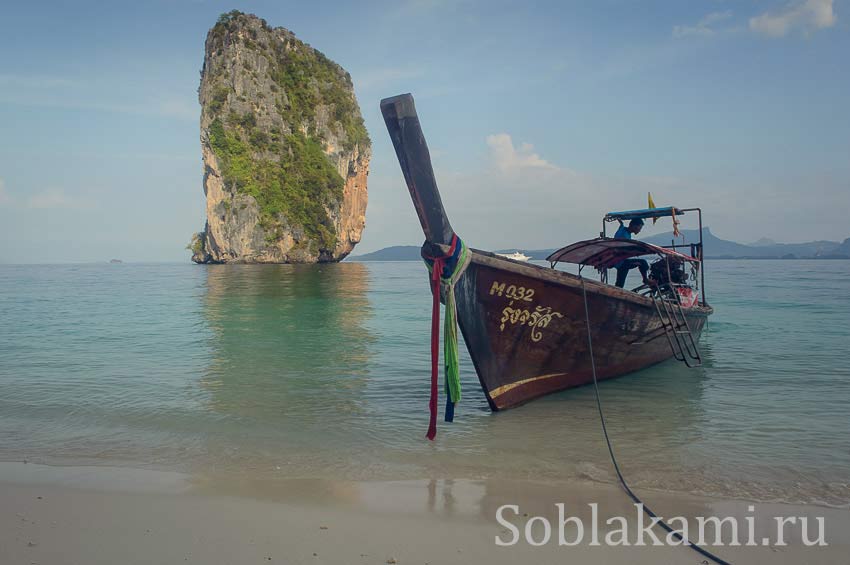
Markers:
(521, 200)
(807, 16)
(50, 198)
(509, 158)
(705, 27)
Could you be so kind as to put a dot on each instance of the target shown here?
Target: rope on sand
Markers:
(625, 486)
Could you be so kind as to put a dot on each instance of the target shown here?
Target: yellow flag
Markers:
(651, 204)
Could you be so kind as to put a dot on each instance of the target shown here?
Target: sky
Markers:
(540, 117)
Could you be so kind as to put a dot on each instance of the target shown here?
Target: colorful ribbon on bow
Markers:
(445, 270)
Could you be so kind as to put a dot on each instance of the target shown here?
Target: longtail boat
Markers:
(526, 326)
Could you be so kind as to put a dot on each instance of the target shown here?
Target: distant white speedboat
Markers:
(516, 256)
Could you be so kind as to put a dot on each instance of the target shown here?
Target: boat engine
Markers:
(658, 272)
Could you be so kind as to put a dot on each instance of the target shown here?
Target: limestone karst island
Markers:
(285, 151)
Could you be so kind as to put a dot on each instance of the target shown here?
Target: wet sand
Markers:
(92, 515)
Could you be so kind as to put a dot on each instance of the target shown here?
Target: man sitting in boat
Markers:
(626, 265)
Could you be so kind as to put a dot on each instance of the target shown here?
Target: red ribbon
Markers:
(436, 273)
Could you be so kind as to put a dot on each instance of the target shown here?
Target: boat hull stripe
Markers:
(499, 391)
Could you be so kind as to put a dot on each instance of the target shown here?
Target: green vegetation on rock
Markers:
(196, 245)
(295, 188)
(309, 79)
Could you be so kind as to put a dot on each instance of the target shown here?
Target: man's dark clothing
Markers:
(624, 266)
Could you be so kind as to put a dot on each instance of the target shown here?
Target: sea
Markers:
(322, 371)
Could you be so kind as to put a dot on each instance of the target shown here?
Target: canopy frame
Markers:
(644, 214)
(605, 252)
(696, 249)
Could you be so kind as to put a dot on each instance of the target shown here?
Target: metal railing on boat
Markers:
(671, 313)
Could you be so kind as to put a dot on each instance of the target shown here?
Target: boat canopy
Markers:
(644, 213)
(605, 252)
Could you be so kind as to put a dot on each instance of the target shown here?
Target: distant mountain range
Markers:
(394, 253)
(715, 248)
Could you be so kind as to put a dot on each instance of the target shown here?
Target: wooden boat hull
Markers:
(524, 326)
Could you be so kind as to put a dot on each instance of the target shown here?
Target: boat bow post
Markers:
(443, 251)
(412, 151)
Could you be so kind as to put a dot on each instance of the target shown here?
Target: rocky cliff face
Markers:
(285, 151)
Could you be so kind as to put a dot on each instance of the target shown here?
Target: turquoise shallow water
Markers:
(322, 371)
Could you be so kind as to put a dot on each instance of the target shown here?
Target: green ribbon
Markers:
(451, 357)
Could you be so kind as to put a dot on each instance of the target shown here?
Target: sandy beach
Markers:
(91, 515)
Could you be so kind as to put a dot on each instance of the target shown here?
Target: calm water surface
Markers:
(322, 371)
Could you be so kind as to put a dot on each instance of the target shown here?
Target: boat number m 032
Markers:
(513, 292)
(536, 319)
